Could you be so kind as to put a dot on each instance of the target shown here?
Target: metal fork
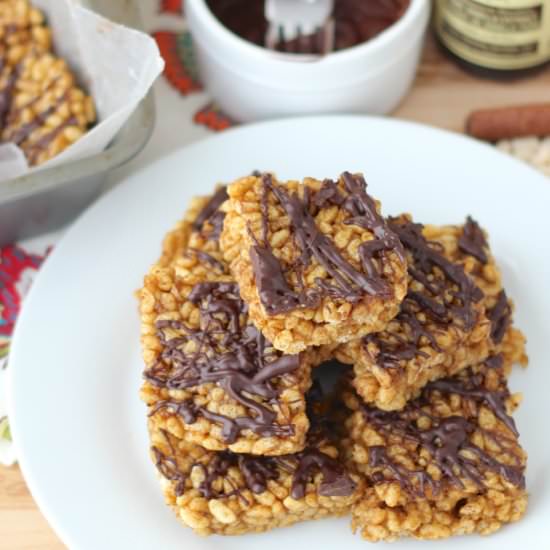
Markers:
(295, 19)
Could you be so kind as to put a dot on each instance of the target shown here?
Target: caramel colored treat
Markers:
(468, 246)
(211, 377)
(448, 464)
(232, 494)
(42, 110)
(454, 315)
(22, 27)
(315, 261)
(176, 241)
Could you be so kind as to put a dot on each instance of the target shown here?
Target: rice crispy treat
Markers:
(448, 464)
(22, 26)
(211, 377)
(232, 494)
(455, 314)
(468, 245)
(42, 110)
(315, 261)
(176, 241)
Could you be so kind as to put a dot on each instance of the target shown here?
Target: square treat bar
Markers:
(448, 464)
(454, 314)
(42, 110)
(210, 374)
(22, 27)
(315, 261)
(232, 494)
(467, 245)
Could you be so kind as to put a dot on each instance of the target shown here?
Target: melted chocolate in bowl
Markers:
(356, 21)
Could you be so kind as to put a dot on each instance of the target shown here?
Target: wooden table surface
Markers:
(442, 96)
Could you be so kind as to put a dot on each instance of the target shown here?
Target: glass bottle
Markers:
(495, 37)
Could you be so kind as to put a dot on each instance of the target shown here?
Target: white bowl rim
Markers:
(413, 12)
(308, 85)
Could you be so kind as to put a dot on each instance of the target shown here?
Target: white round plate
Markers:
(75, 362)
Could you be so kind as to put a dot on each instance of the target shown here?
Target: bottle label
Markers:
(496, 34)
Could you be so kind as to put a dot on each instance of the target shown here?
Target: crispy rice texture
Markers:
(230, 507)
(389, 387)
(335, 319)
(43, 109)
(427, 443)
(391, 509)
(164, 300)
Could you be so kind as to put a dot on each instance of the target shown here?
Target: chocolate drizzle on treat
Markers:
(334, 481)
(31, 136)
(500, 316)
(364, 214)
(392, 347)
(448, 293)
(33, 150)
(378, 458)
(7, 95)
(206, 258)
(347, 283)
(167, 464)
(473, 389)
(212, 214)
(224, 351)
(448, 439)
(426, 258)
(257, 471)
(472, 241)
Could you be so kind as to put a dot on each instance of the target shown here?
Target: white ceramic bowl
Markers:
(251, 83)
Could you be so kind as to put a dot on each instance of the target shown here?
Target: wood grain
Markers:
(442, 95)
(22, 526)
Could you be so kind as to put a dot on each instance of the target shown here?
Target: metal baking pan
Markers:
(44, 200)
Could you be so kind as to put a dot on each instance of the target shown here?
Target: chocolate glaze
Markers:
(33, 150)
(206, 258)
(348, 283)
(500, 316)
(335, 483)
(9, 114)
(356, 21)
(394, 348)
(379, 458)
(168, 467)
(19, 135)
(472, 241)
(494, 362)
(7, 95)
(426, 256)
(364, 214)
(212, 214)
(15, 112)
(234, 356)
(256, 474)
(328, 195)
(257, 471)
(474, 390)
(447, 439)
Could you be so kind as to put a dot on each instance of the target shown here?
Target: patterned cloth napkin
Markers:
(179, 91)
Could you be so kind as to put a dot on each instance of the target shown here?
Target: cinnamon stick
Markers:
(510, 122)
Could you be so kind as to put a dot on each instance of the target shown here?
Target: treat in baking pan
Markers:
(42, 108)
